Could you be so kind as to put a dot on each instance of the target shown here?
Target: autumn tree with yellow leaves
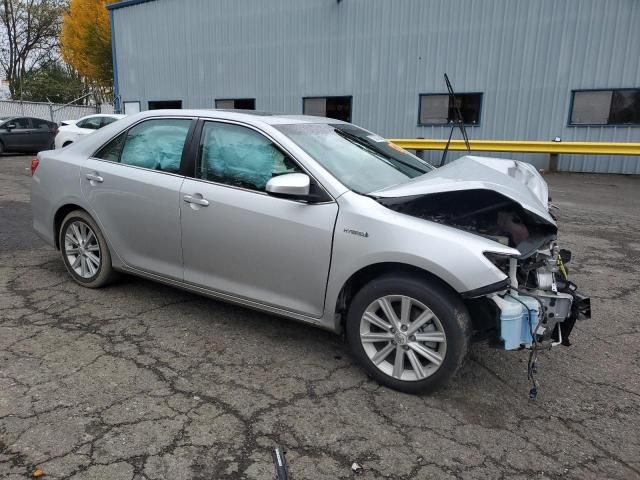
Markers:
(86, 41)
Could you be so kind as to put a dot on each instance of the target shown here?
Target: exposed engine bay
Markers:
(484, 212)
(539, 305)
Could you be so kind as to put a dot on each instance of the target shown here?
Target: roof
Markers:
(126, 3)
(247, 115)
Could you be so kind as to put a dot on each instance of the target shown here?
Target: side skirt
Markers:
(225, 297)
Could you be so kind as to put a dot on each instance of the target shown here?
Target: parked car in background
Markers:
(321, 221)
(26, 134)
(71, 130)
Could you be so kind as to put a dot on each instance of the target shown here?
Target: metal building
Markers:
(527, 69)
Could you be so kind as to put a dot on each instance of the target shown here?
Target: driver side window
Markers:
(241, 157)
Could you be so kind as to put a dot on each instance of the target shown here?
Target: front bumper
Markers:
(525, 319)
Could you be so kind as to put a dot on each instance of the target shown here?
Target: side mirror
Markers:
(10, 126)
(290, 185)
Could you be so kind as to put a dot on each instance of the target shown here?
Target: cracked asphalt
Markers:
(143, 381)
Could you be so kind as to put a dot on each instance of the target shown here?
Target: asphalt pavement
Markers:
(143, 381)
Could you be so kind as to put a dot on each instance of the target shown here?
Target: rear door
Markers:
(41, 134)
(133, 186)
(239, 240)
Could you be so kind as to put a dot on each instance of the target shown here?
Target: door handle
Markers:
(197, 200)
(94, 178)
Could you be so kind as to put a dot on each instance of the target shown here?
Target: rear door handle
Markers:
(94, 178)
(197, 200)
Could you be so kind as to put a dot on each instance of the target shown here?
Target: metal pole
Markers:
(553, 162)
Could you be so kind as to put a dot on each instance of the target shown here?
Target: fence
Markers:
(50, 111)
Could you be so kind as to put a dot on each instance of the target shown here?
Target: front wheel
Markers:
(410, 333)
(84, 250)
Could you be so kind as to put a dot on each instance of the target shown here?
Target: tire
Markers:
(1, 148)
(82, 266)
(435, 332)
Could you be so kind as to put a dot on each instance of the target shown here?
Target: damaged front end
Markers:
(538, 305)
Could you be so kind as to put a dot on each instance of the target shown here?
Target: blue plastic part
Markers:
(517, 321)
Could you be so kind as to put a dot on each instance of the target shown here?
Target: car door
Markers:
(18, 138)
(41, 134)
(133, 186)
(237, 239)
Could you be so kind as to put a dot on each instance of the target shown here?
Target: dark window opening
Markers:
(165, 104)
(237, 103)
(605, 107)
(439, 109)
(332, 107)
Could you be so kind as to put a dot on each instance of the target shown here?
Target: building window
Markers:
(165, 104)
(332, 107)
(439, 109)
(131, 107)
(237, 103)
(605, 107)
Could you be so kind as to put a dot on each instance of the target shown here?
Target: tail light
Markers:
(34, 165)
(55, 130)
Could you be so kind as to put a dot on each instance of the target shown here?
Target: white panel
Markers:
(434, 109)
(591, 107)
(131, 107)
(315, 106)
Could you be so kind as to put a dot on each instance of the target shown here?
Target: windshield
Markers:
(362, 161)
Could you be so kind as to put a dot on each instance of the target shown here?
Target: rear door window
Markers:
(93, 123)
(153, 144)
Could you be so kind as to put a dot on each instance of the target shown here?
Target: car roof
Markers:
(270, 118)
(112, 115)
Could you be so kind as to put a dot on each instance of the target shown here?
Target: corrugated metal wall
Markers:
(524, 55)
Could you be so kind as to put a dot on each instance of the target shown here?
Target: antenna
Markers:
(459, 121)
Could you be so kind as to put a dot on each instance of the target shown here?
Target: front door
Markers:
(19, 138)
(239, 240)
(133, 186)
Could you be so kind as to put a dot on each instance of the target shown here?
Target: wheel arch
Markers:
(62, 212)
(366, 274)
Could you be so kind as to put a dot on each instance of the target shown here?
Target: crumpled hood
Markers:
(516, 180)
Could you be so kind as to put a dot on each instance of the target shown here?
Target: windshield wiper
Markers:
(369, 146)
(458, 121)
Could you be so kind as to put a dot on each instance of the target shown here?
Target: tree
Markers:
(54, 82)
(86, 41)
(29, 37)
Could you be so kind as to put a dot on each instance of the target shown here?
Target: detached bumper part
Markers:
(549, 316)
(519, 318)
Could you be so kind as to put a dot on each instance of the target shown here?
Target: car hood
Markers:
(516, 180)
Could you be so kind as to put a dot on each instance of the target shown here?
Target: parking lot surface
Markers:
(143, 381)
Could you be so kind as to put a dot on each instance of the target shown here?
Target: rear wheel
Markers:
(409, 333)
(84, 250)
(1, 148)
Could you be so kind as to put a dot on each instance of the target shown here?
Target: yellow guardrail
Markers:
(578, 148)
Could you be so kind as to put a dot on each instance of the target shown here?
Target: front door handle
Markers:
(94, 178)
(197, 200)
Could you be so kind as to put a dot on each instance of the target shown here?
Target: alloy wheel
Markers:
(82, 249)
(403, 338)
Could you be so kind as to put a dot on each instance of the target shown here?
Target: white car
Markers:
(70, 130)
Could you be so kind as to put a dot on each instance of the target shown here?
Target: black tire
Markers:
(104, 273)
(451, 313)
(1, 148)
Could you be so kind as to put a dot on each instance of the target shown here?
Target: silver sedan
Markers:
(320, 221)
